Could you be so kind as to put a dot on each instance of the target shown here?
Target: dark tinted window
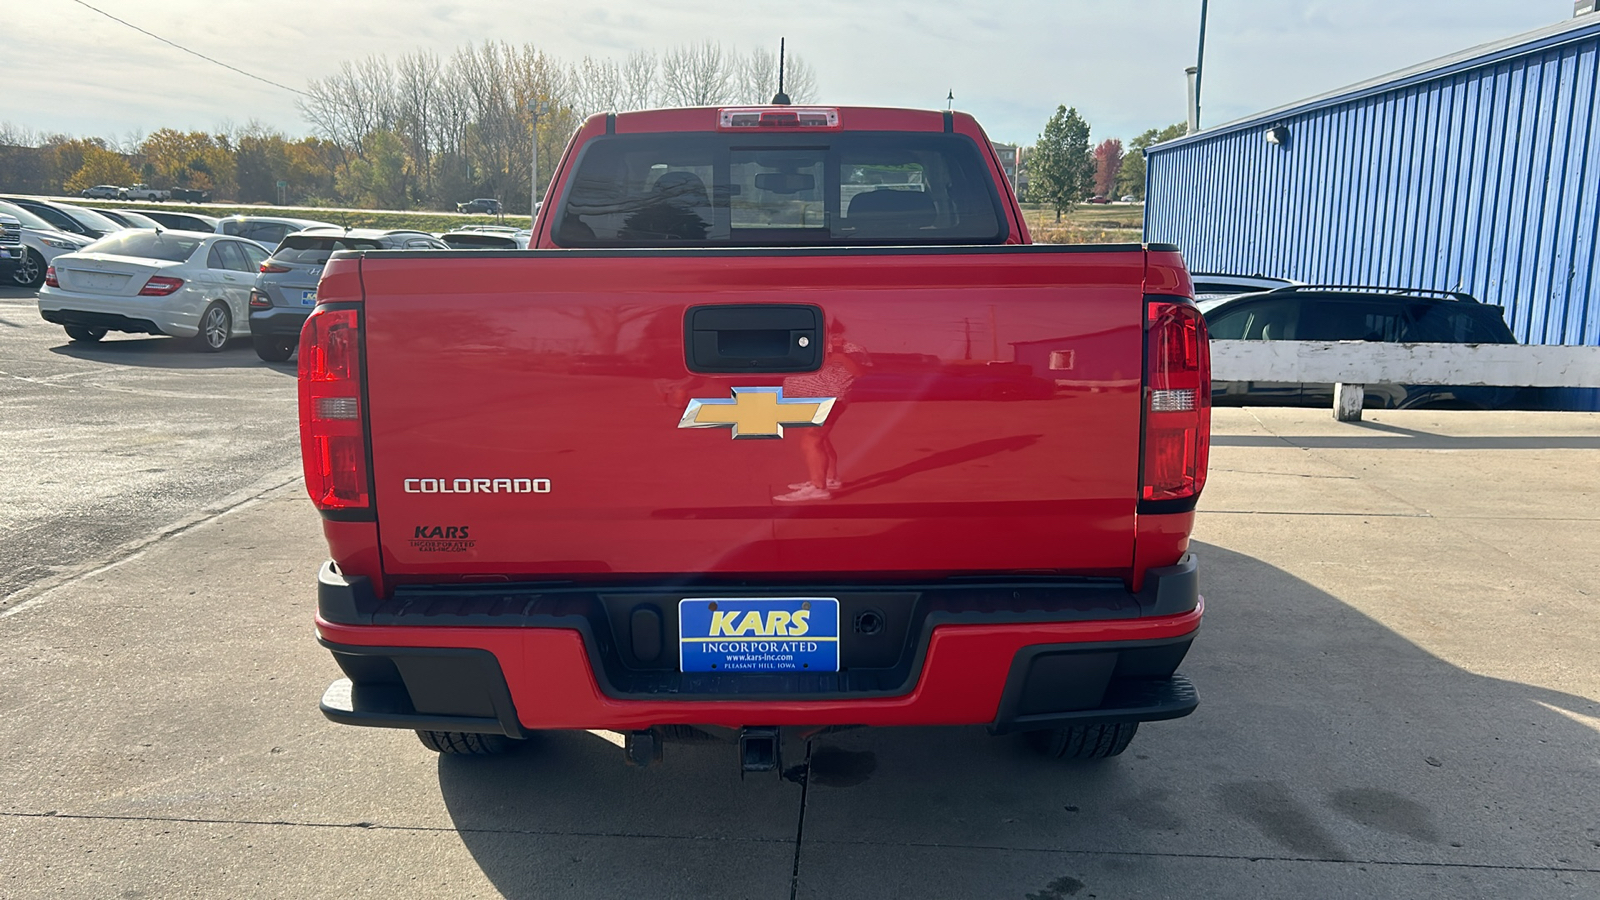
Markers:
(27, 218)
(799, 189)
(269, 233)
(1338, 319)
(57, 219)
(314, 250)
(1457, 323)
(1257, 320)
(474, 241)
(146, 245)
(92, 220)
(180, 221)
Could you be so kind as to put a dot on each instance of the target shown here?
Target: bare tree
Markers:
(354, 102)
(639, 73)
(756, 78)
(419, 83)
(463, 122)
(696, 75)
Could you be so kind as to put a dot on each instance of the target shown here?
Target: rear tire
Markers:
(81, 335)
(216, 326)
(458, 743)
(274, 349)
(1084, 741)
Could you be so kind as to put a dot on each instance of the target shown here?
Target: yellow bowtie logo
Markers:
(756, 412)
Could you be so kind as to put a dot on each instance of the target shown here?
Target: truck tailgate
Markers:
(991, 421)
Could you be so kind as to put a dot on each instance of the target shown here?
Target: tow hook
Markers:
(758, 749)
(641, 748)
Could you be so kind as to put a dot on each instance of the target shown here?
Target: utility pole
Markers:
(1199, 69)
(537, 108)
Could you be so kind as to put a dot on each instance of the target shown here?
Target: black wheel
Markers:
(273, 349)
(463, 743)
(84, 335)
(1084, 741)
(216, 326)
(30, 272)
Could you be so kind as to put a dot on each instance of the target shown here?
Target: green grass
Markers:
(1087, 224)
(419, 221)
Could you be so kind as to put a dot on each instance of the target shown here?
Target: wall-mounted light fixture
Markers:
(1278, 134)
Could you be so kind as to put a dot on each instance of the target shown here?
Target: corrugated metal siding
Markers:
(1485, 180)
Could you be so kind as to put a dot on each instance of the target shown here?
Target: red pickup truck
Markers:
(782, 424)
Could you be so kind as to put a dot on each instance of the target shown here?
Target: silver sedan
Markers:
(178, 283)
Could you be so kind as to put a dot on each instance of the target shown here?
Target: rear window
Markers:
(1458, 323)
(310, 250)
(481, 242)
(145, 244)
(780, 190)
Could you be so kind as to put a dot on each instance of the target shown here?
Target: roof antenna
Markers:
(780, 98)
(950, 99)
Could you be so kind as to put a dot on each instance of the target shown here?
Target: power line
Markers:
(188, 51)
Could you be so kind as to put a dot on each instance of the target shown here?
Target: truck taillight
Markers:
(1177, 414)
(333, 434)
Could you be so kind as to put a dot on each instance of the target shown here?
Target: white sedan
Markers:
(180, 283)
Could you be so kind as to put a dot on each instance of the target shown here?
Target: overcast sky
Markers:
(1120, 62)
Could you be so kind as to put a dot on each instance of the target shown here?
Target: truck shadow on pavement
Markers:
(1330, 756)
(170, 353)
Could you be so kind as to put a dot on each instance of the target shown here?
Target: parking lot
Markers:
(1397, 673)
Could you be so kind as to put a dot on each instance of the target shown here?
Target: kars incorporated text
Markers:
(759, 646)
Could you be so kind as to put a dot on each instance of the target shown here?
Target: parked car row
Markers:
(143, 192)
(209, 280)
(206, 287)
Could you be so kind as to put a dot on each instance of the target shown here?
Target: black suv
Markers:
(481, 205)
(286, 288)
(1311, 312)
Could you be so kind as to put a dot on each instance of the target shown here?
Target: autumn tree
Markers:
(100, 166)
(1107, 161)
(190, 159)
(377, 179)
(1060, 169)
(1130, 178)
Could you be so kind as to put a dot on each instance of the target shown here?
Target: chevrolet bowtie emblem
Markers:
(756, 412)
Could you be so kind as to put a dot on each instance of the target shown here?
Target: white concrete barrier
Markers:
(1351, 364)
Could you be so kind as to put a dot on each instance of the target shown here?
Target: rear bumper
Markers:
(279, 321)
(512, 662)
(107, 321)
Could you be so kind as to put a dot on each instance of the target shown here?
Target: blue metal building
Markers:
(1478, 172)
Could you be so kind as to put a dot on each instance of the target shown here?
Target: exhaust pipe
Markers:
(758, 749)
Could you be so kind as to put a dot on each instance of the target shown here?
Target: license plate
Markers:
(308, 298)
(733, 634)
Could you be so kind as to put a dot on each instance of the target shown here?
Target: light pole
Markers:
(536, 108)
(1199, 70)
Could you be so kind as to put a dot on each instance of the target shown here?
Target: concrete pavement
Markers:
(1399, 699)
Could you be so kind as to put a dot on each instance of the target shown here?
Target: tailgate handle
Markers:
(753, 338)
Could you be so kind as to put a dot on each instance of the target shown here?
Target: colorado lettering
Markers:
(477, 485)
